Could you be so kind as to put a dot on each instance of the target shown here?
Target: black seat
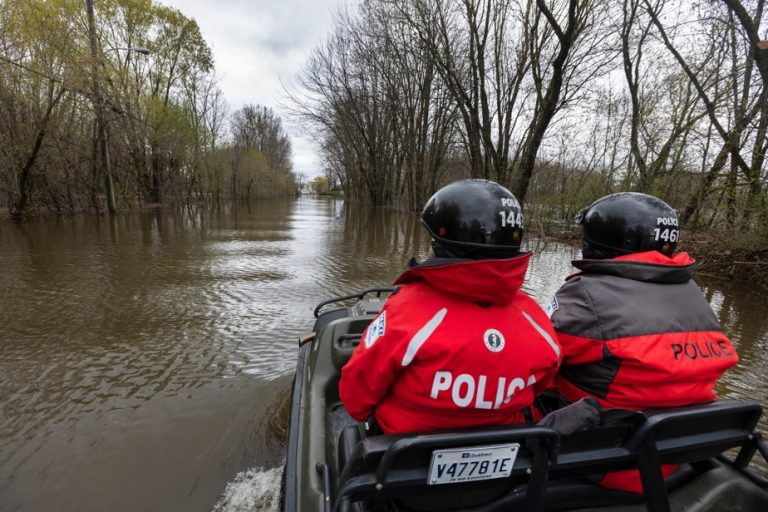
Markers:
(349, 438)
(699, 431)
(549, 471)
(396, 468)
(691, 434)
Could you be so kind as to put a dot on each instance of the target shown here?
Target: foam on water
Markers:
(253, 490)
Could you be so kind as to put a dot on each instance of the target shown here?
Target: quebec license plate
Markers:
(472, 464)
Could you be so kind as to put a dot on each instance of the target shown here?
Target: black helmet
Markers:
(474, 219)
(625, 223)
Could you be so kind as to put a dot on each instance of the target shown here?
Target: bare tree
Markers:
(653, 142)
(744, 112)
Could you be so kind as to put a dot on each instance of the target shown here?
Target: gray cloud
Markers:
(256, 44)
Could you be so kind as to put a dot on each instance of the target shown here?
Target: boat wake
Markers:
(256, 489)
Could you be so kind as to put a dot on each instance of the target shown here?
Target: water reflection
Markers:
(741, 312)
(147, 359)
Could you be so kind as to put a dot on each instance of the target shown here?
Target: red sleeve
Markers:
(374, 364)
(547, 380)
(578, 350)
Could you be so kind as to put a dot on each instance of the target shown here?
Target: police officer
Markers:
(635, 330)
(459, 344)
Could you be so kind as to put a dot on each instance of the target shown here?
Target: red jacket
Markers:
(637, 333)
(459, 345)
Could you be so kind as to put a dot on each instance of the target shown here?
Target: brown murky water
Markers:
(146, 362)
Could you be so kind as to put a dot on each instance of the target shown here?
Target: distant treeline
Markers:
(167, 133)
(561, 100)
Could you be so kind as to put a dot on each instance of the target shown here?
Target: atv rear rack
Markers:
(359, 296)
(549, 469)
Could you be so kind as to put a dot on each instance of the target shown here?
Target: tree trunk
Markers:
(20, 206)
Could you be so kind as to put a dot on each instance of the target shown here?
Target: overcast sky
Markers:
(258, 43)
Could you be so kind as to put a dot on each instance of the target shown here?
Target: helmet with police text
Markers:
(474, 219)
(626, 223)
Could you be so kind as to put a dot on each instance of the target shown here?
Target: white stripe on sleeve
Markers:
(420, 337)
(543, 333)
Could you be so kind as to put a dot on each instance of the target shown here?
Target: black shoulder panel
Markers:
(594, 378)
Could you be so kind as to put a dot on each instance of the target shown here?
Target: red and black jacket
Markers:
(459, 345)
(637, 333)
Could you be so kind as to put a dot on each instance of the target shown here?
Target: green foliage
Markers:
(319, 185)
(164, 113)
(255, 127)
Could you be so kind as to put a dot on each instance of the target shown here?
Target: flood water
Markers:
(146, 362)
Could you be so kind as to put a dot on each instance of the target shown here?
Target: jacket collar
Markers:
(650, 266)
(495, 281)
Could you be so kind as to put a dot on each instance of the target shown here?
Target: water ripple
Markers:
(145, 362)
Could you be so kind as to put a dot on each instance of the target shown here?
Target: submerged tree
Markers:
(561, 100)
(261, 152)
(164, 114)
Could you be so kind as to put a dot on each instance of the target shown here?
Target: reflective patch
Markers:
(544, 334)
(494, 340)
(421, 336)
(551, 306)
(376, 329)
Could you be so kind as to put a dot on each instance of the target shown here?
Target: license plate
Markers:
(472, 464)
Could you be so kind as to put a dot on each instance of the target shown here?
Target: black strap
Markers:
(654, 488)
(372, 427)
(528, 415)
(537, 484)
